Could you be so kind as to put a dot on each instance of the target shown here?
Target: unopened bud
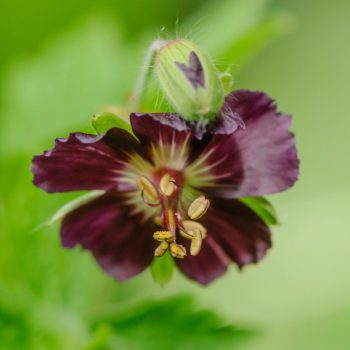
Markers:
(177, 251)
(189, 80)
(163, 236)
(198, 208)
(196, 243)
(161, 249)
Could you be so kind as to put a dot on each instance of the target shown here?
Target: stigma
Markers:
(164, 192)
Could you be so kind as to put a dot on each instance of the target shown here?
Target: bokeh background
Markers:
(60, 61)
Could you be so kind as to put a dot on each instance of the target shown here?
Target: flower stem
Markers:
(134, 102)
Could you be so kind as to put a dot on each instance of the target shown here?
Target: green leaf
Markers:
(172, 323)
(60, 102)
(162, 268)
(262, 207)
(104, 121)
(100, 338)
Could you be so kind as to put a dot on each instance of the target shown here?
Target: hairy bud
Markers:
(189, 80)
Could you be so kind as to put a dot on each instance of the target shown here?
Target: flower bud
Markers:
(189, 80)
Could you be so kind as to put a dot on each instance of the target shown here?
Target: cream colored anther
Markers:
(198, 208)
(196, 243)
(177, 251)
(190, 226)
(161, 249)
(167, 185)
(147, 188)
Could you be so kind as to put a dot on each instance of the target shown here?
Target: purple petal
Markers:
(242, 235)
(159, 127)
(164, 129)
(228, 122)
(256, 160)
(209, 264)
(84, 162)
(121, 243)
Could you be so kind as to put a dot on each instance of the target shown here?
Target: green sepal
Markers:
(263, 208)
(162, 268)
(104, 121)
(227, 81)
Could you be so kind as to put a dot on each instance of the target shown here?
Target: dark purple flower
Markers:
(157, 188)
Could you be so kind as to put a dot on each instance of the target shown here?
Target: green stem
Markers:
(134, 103)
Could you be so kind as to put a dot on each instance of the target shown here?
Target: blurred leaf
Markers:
(173, 324)
(100, 338)
(263, 208)
(50, 291)
(228, 21)
(104, 121)
(257, 38)
(162, 268)
(242, 28)
(56, 91)
(14, 331)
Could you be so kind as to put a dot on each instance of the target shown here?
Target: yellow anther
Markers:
(167, 185)
(163, 236)
(177, 251)
(147, 188)
(196, 243)
(158, 220)
(161, 249)
(198, 208)
(191, 226)
(187, 234)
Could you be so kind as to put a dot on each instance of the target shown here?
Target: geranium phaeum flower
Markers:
(176, 187)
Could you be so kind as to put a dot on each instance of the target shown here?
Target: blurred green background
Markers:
(60, 61)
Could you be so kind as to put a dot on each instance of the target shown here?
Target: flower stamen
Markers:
(167, 185)
(190, 226)
(167, 194)
(196, 242)
(161, 249)
(163, 236)
(198, 208)
(149, 193)
(177, 250)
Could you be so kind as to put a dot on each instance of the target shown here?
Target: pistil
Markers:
(166, 196)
